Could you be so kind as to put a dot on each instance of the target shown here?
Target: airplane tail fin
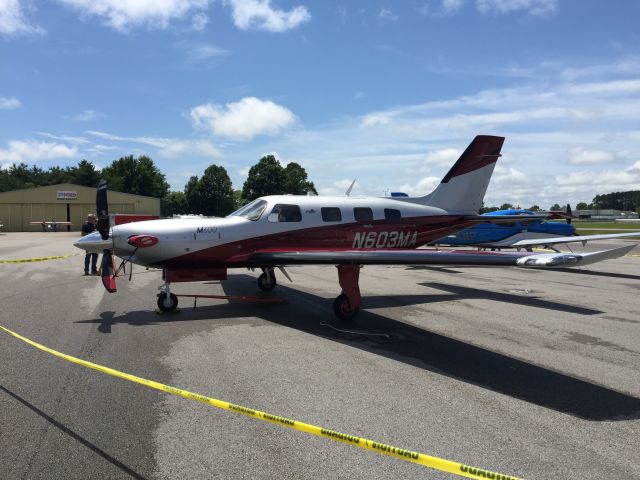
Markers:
(463, 187)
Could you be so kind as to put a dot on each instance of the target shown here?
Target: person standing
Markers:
(87, 228)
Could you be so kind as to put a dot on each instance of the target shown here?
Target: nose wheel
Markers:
(267, 280)
(167, 302)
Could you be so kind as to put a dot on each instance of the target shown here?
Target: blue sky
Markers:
(388, 93)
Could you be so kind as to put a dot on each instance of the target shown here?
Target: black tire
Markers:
(342, 308)
(167, 304)
(264, 283)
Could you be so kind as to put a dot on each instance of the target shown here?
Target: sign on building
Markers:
(66, 195)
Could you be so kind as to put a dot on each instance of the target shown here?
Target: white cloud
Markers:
(582, 156)
(199, 22)
(202, 55)
(7, 103)
(375, 118)
(534, 8)
(242, 120)
(260, 15)
(387, 15)
(65, 138)
(122, 15)
(13, 22)
(152, 141)
(447, 7)
(446, 157)
(180, 148)
(31, 151)
(87, 116)
(167, 147)
(424, 186)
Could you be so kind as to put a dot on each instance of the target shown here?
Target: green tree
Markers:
(582, 206)
(238, 199)
(174, 203)
(506, 206)
(136, 175)
(216, 192)
(265, 178)
(85, 174)
(535, 208)
(296, 182)
(192, 195)
(555, 206)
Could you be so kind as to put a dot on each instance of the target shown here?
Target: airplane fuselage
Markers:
(295, 222)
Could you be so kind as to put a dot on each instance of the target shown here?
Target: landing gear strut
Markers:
(167, 301)
(267, 280)
(347, 305)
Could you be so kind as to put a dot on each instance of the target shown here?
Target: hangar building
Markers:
(64, 203)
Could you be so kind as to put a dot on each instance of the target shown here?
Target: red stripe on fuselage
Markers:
(332, 236)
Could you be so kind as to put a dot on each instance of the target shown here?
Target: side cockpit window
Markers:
(285, 213)
(252, 211)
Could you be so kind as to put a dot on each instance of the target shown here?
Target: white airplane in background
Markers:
(275, 231)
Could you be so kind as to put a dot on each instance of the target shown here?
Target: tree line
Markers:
(212, 194)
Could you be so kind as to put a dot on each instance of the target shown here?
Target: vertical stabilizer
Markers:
(463, 187)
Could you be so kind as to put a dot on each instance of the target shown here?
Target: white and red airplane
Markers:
(275, 231)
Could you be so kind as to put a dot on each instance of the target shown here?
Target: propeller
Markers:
(106, 267)
(569, 214)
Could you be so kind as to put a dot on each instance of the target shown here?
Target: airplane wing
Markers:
(576, 238)
(432, 257)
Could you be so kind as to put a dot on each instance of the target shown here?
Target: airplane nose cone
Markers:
(93, 243)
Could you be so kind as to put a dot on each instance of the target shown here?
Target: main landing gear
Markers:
(347, 305)
(267, 280)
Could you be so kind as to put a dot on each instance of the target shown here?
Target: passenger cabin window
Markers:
(392, 215)
(363, 214)
(331, 214)
(285, 213)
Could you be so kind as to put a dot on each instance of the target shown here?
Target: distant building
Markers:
(605, 214)
(65, 203)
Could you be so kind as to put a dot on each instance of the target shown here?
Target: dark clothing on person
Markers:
(92, 258)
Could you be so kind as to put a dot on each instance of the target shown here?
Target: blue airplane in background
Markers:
(521, 234)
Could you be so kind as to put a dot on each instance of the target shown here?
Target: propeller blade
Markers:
(102, 208)
(569, 213)
(108, 279)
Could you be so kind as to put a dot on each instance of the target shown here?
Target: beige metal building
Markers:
(64, 203)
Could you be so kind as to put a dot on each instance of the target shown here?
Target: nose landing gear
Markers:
(167, 301)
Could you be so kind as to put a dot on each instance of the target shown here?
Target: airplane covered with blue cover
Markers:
(531, 230)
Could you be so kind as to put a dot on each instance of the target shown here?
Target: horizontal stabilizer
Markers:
(562, 260)
(576, 238)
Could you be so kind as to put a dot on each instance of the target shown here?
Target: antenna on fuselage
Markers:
(348, 192)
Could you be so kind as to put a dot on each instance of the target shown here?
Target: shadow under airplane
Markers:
(415, 346)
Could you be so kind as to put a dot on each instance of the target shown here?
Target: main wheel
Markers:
(342, 308)
(167, 303)
(267, 283)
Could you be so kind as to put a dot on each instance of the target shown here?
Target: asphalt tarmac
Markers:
(527, 372)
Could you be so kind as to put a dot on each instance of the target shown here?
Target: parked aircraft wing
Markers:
(432, 257)
(577, 238)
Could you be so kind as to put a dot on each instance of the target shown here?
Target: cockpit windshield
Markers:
(251, 211)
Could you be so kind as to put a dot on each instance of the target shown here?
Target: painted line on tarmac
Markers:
(381, 448)
(39, 259)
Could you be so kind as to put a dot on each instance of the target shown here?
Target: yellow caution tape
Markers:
(407, 455)
(39, 259)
